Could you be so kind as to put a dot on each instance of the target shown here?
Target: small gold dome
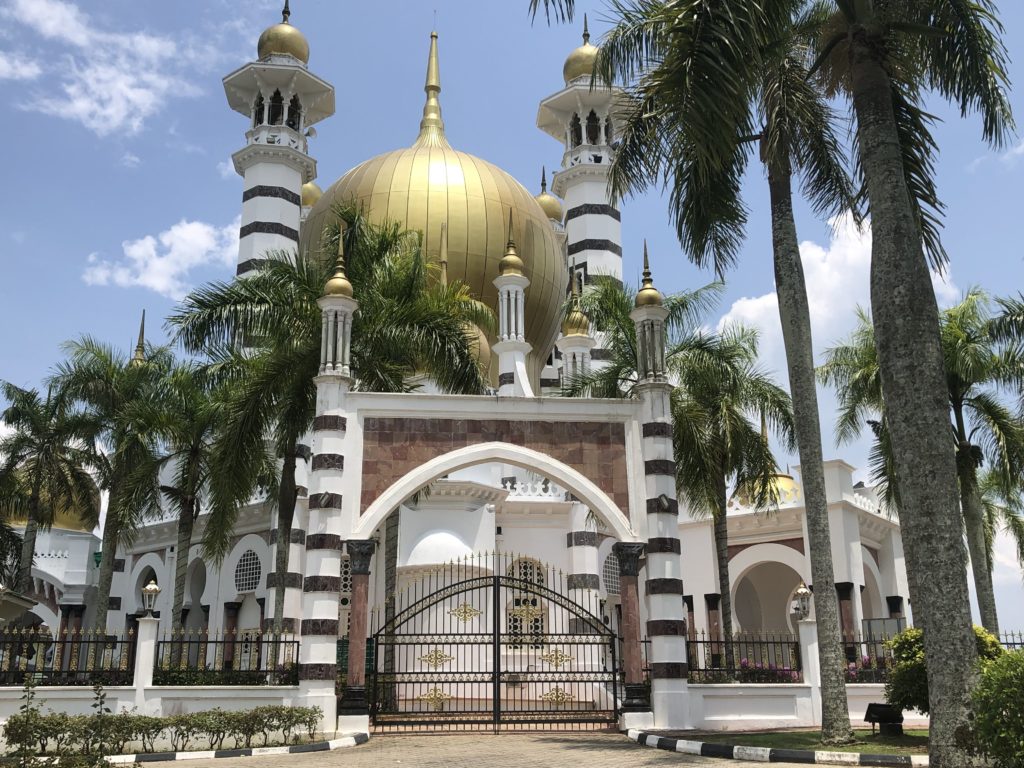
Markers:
(581, 61)
(338, 284)
(548, 203)
(576, 323)
(481, 347)
(648, 295)
(283, 38)
(64, 519)
(510, 263)
(311, 192)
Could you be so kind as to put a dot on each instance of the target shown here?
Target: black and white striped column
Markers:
(666, 612)
(293, 577)
(584, 582)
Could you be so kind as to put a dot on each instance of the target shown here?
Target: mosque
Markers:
(560, 515)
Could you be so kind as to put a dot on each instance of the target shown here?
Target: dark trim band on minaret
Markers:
(593, 209)
(269, 228)
(595, 245)
(263, 190)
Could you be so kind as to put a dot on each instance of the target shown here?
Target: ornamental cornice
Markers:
(585, 171)
(251, 154)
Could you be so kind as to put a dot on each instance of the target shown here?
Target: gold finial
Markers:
(287, 12)
(140, 346)
(576, 322)
(586, 29)
(443, 254)
(339, 284)
(432, 126)
(648, 295)
(510, 263)
(543, 179)
(511, 240)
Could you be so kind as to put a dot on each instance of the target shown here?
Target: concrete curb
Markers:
(162, 757)
(769, 755)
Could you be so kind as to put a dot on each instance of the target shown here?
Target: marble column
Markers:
(635, 696)
(353, 699)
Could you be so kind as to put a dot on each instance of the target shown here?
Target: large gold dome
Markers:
(430, 184)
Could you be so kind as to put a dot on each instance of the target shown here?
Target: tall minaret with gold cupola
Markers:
(282, 100)
(583, 120)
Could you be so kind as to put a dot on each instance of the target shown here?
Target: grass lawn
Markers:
(912, 742)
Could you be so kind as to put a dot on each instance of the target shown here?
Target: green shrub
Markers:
(907, 686)
(998, 706)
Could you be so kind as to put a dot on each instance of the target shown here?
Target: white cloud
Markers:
(1013, 154)
(18, 68)
(163, 263)
(226, 169)
(109, 81)
(130, 160)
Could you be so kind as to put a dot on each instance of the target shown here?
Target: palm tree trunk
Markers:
(906, 320)
(286, 494)
(28, 544)
(795, 316)
(186, 522)
(721, 529)
(111, 537)
(974, 520)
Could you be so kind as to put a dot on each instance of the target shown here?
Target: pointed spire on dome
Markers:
(510, 263)
(432, 126)
(548, 203)
(339, 284)
(576, 322)
(442, 256)
(543, 179)
(140, 346)
(586, 29)
(286, 13)
(648, 295)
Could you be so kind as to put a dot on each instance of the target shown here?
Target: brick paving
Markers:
(564, 750)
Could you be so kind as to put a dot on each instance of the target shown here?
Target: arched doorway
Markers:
(762, 598)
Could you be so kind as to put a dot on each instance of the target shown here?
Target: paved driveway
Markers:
(568, 750)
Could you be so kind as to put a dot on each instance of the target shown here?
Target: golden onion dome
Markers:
(576, 323)
(429, 184)
(581, 61)
(548, 203)
(481, 347)
(311, 192)
(64, 519)
(338, 284)
(283, 38)
(510, 263)
(648, 295)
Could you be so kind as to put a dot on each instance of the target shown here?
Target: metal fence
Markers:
(1012, 641)
(67, 658)
(227, 658)
(750, 657)
(868, 659)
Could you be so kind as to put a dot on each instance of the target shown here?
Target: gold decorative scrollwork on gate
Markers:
(436, 658)
(436, 698)
(557, 696)
(465, 612)
(526, 612)
(556, 658)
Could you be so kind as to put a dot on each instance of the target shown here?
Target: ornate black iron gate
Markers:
(492, 642)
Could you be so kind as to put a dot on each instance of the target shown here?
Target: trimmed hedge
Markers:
(34, 736)
(998, 730)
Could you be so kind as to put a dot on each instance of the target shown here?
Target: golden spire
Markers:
(140, 346)
(442, 256)
(648, 295)
(586, 29)
(286, 12)
(432, 126)
(543, 179)
(510, 263)
(339, 284)
(576, 322)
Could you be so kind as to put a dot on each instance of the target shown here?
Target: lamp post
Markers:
(802, 602)
(149, 595)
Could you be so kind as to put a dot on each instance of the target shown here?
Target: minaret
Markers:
(583, 120)
(576, 342)
(282, 100)
(512, 347)
(139, 357)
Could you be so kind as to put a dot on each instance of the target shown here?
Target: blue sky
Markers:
(118, 194)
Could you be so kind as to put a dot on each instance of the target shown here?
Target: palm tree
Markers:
(890, 54)
(691, 128)
(1003, 511)
(46, 460)
(984, 429)
(716, 442)
(407, 324)
(107, 384)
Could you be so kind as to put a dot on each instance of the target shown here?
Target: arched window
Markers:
(525, 621)
(527, 569)
(610, 574)
(257, 111)
(276, 109)
(575, 131)
(248, 572)
(294, 113)
(609, 131)
(593, 128)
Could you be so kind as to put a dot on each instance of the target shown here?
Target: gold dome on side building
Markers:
(576, 323)
(311, 194)
(283, 38)
(64, 518)
(648, 295)
(430, 184)
(581, 61)
(548, 203)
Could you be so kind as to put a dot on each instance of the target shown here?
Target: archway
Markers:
(572, 480)
(762, 598)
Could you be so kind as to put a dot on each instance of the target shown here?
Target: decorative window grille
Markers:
(345, 598)
(248, 572)
(610, 574)
(527, 569)
(526, 622)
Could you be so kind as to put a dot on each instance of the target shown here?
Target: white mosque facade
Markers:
(575, 486)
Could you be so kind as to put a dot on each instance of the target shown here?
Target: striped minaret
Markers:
(282, 100)
(666, 612)
(584, 582)
(321, 585)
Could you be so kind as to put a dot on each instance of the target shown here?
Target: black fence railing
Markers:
(749, 657)
(67, 658)
(868, 659)
(229, 658)
(1012, 641)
